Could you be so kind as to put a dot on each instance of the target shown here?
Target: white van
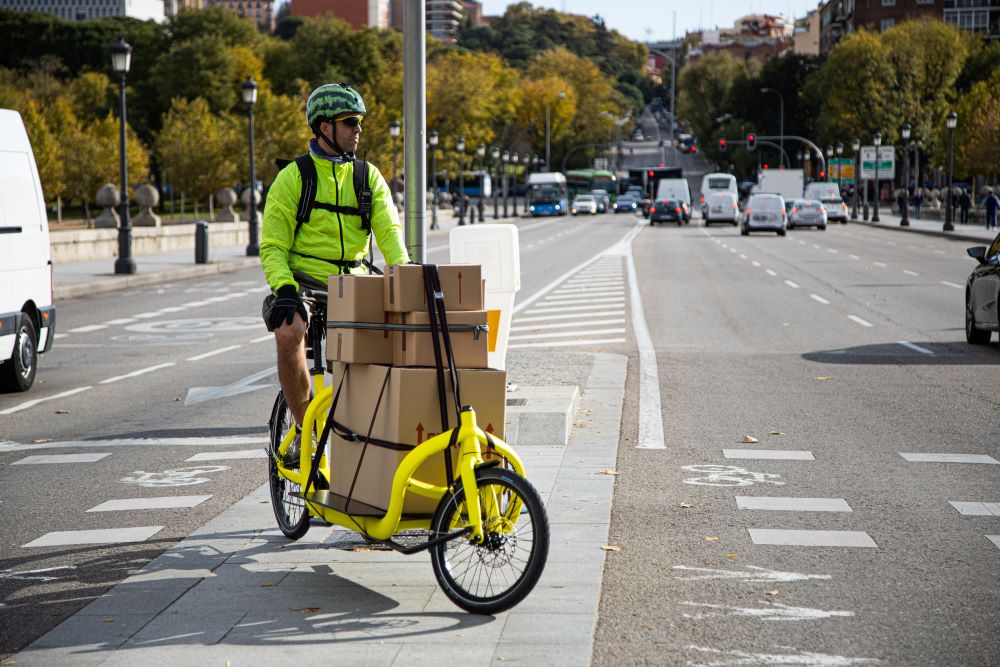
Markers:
(829, 194)
(27, 315)
(716, 182)
(675, 189)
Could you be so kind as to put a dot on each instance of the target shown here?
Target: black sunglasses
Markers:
(351, 121)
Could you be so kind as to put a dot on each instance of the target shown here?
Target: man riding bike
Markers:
(321, 229)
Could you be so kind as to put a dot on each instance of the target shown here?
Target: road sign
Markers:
(842, 170)
(886, 163)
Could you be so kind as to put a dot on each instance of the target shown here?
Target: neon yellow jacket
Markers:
(327, 235)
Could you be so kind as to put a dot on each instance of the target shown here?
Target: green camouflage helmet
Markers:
(332, 99)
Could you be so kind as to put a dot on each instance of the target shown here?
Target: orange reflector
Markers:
(493, 322)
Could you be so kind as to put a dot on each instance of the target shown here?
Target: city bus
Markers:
(582, 181)
(547, 194)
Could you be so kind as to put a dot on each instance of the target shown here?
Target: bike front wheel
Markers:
(290, 511)
(495, 575)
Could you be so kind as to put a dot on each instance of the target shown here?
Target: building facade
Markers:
(357, 13)
(839, 18)
(79, 10)
(982, 16)
(805, 39)
(172, 7)
(261, 11)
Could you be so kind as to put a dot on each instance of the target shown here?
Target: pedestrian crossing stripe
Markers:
(62, 538)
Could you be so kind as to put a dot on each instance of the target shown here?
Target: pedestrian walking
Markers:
(991, 203)
(964, 204)
(918, 200)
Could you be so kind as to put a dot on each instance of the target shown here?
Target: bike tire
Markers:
(467, 572)
(290, 512)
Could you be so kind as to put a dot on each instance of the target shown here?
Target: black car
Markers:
(668, 210)
(982, 294)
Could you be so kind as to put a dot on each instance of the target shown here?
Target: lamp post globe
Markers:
(432, 140)
(951, 121)
(249, 91)
(121, 59)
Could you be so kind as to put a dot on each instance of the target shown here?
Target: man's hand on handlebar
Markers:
(286, 304)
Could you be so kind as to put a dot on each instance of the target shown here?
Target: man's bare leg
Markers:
(292, 371)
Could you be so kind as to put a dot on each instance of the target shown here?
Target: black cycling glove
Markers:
(286, 304)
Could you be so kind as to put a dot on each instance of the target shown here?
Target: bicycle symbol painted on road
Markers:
(715, 475)
(176, 477)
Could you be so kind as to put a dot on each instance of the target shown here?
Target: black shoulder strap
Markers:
(307, 197)
(363, 193)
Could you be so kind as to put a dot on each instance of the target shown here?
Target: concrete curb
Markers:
(955, 235)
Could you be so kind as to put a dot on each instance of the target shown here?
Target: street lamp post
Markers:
(781, 118)
(394, 129)
(249, 89)
(951, 120)
(460, 147)
(481, 154)
(829, 158)
(904, 220)
(877, 140)
(514, 159)
(495, 154)
(506, 161)
(548, 129)
(855, 146)
(432, 139)
(121, 57)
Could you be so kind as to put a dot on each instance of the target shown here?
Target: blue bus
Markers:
(547, 194)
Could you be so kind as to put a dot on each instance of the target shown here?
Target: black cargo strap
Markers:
(476, 329)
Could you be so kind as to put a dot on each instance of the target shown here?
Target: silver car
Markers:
(764, 213)
(807, 213)
(584, 204)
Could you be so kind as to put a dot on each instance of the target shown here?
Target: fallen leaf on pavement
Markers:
(266, 585)
(41, 440)
(732, 556)
(687, 506)
(749, 439)
(776, 433)
(608, 471)
(611, 547)
(774, 592)
(307, 610)
(62, 412)
(822, 377)
(710, 538)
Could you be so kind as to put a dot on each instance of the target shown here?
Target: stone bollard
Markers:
(245, 198)
(225, 198)
(109, 197)
(146, 196)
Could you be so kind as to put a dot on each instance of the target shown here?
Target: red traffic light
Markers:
(661, 165)
(752, 141)
(765, 167)
(650, 174)
(694, 149)
(722, 145)
(822, 174)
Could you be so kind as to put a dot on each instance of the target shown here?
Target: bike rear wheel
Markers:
(291, 512)
(495, 575)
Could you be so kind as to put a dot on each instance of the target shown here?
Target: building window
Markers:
(887, 23)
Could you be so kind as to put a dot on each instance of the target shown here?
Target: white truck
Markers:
(789, 183)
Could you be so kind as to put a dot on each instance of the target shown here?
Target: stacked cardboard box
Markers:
(389, 394)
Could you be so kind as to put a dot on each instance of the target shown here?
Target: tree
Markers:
(280, 131)
(977, 136)
(703, 89)
(47, 149)
(198, 68)
(92, 95)
(198, 149)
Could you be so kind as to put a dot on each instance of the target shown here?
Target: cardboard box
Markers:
(357, 299)
(461, 284)
(408, 415)
(416, 348)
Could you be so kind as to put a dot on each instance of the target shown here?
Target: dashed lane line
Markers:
(771, 273)
(152, 503)
(769, 454)
(791, 284)
(966, 508)
(880, 264)
(910, 273)
(790, 504)
(812, 538)
(818, 298)
(32, 403)
(916, 348)
(221, 350)
(949, 284)
(141, 371)
(855, 318)
(261, 339)
(62, 538)
(949, 458)
(44, 459)
(88, 328)
(226, 456)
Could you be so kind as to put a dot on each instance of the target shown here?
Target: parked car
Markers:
(583, 204)
(982, 294)
(668, 210)
(627, 203)
(807, 213)
(722, 207)
(764, 213)
(603, 200)
(829, 195)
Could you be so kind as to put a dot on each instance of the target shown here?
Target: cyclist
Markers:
(332, 240)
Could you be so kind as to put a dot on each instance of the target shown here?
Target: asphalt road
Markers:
(845, 348)
(162, 391)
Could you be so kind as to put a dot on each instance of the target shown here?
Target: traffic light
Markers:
(722, 145)
(765, 166)
(650, 174)
(822, 174)
(751, 142)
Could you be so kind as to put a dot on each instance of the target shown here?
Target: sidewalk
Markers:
(75, 279)
(977, 233)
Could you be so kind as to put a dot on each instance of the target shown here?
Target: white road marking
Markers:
(88, 328)
(995, 539)
(124, 320)
(171, 309)
(916, 348)
(92, 457)
(32, 403)
(854, 257)
(949, 458)
(880, 264)
(753, 575)
(568, 309)
(225, 456)
(61, 538)
(159, 502)
(956, 286)
(732, 250)
(770, 272)
(570, 343)
(570, 316)
(791, 284)
(812, 538)
(832, 250)
(891, 242)
(206, 355)
(910, 273)
(817, 246)
(769, 454)
(262, 339)
(195, 304)
(976, 509)
(816, 297)
(242, 386)
(60, 335)
(855, 318)
(771, 611)
(550, 301)
(789, 504)
(188, 476)
(755, 263)
(716, 475)
(581, 324)
(801, 659)
(34, 575)
(224, 441)
(564, 334)
(743, 256)
(563, 293)
(141, 371)
(146, 316)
